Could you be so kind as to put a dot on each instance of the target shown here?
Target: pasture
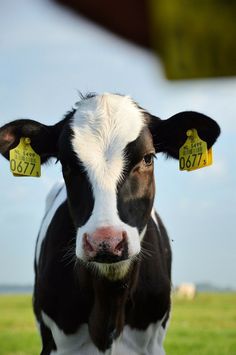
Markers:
(203, 326)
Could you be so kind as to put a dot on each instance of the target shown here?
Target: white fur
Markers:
(130, 342)
(52, 205)
(142, 234)
(103, 126)
(153, 215)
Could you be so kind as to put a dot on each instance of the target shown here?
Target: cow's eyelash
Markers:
(154, 155)
(148, 158)
(151, 153)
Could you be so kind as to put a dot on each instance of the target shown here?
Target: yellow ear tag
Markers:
(194, 153)
(24, 161)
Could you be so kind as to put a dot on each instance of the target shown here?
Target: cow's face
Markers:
(107, 161)
(106, 147)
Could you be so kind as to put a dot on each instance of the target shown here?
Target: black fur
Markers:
(67, 291)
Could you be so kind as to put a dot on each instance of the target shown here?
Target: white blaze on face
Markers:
(103, 126)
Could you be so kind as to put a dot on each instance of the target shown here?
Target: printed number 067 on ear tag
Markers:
(24, 161)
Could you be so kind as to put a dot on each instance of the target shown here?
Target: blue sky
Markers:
(46, 55)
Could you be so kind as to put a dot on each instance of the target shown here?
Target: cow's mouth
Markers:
(104, 257)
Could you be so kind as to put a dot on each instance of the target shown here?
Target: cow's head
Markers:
(106, 147)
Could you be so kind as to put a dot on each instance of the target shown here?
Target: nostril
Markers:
(124, 235)
(120, 246)
(87, 244)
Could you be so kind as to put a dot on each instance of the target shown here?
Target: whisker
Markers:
(146, 253)
(147, 243)
(69, 255)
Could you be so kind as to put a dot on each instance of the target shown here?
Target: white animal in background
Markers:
(186, 290)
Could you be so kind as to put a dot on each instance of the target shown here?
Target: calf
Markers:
(103, 258)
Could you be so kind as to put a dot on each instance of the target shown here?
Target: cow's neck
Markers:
(107, 317)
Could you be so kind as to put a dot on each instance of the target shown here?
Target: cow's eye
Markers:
(148, 159)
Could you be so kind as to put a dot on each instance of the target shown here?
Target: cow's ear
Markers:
(43, 138)
(169, 135)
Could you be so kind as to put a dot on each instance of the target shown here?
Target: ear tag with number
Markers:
(24, 161)
(194, 153)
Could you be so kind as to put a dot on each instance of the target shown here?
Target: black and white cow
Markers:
(103, 259)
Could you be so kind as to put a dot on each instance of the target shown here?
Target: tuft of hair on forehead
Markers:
(88, 95)
(102, 127)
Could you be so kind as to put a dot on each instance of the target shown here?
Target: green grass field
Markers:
(204, 326)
